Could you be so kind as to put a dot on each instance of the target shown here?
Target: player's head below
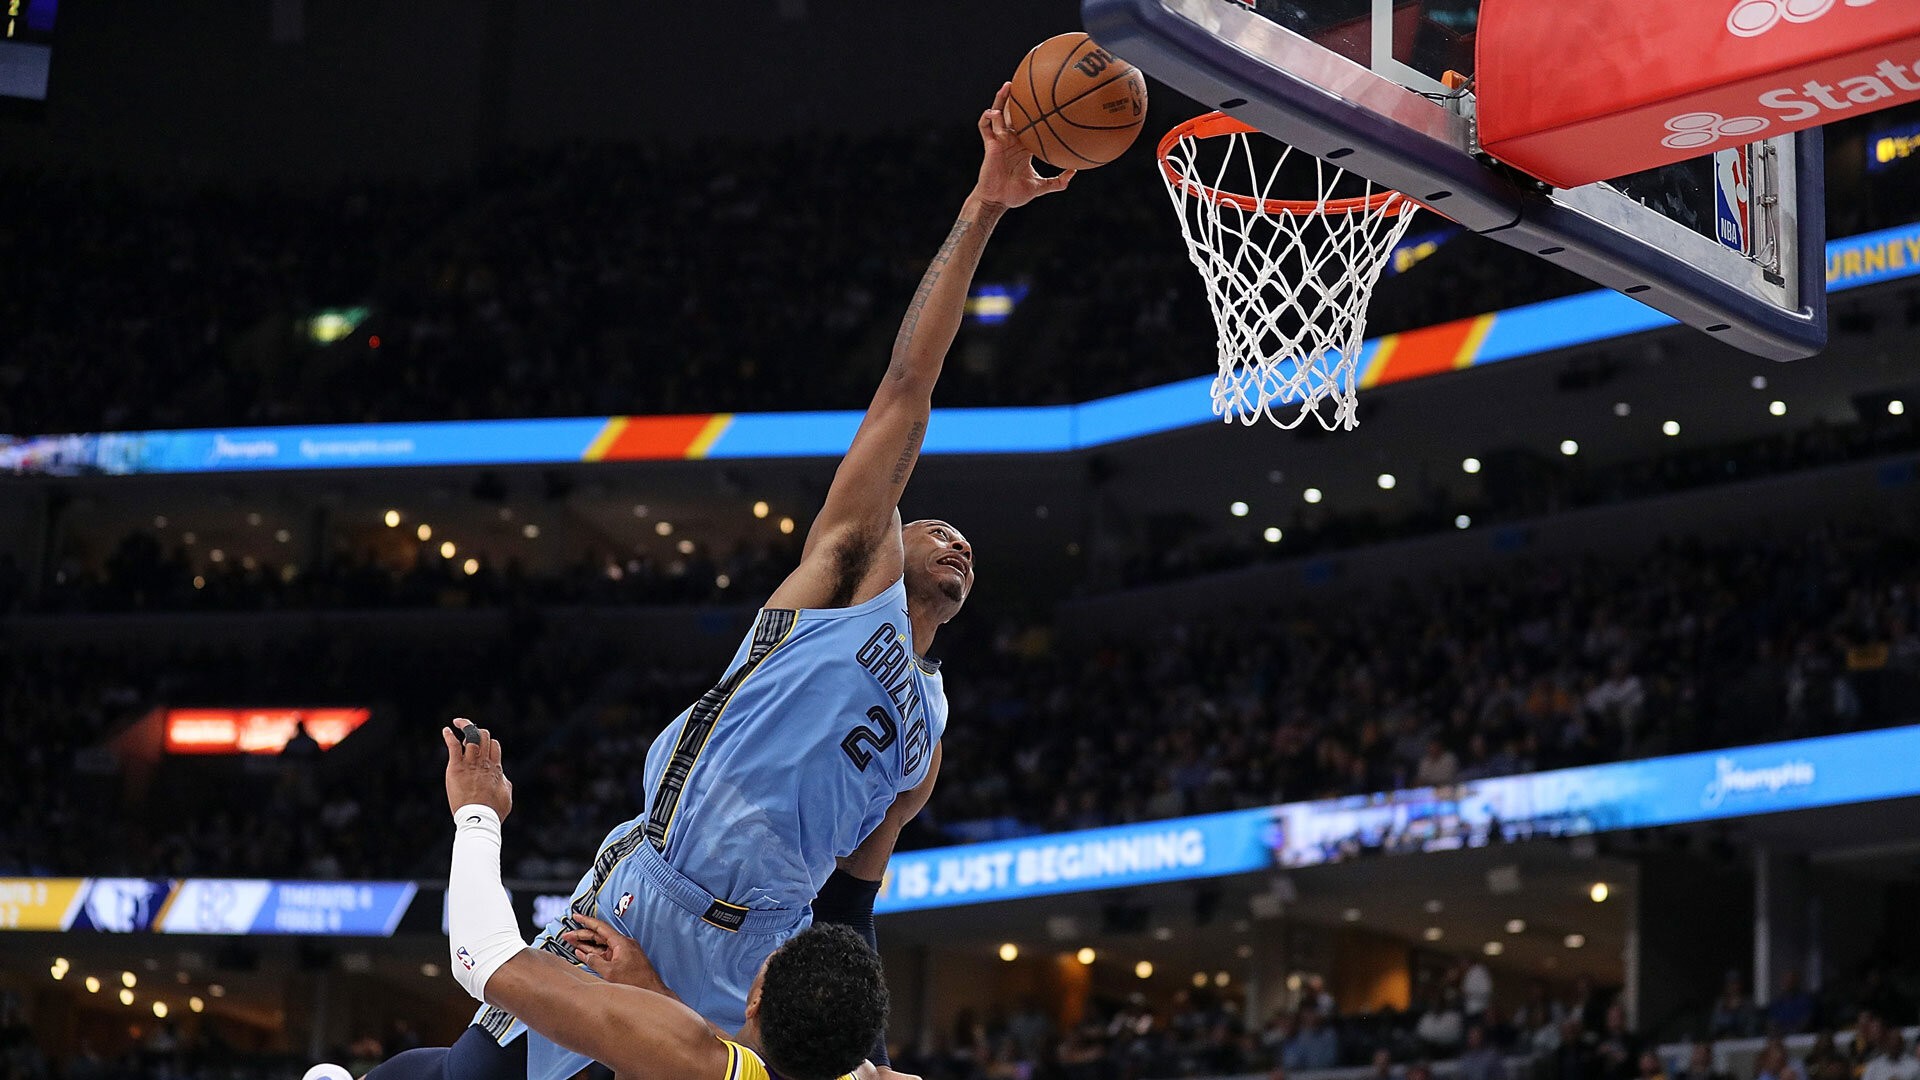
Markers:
(939, 566)
(818, 1004)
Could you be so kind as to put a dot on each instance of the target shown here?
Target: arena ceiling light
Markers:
(1670, 428)
(1222, 978)
(126, 997)
(1433, 933)
(1237, 508)
(447, 549)
(1143, 970)
(1777, 408)
(1272, 535)
(1621, 408)
(424, 532)
(1516, 926)
(60, 968)
(1386, 481)
(93, 985)
(1352, 914)
(1569, 447)
(1086, 955)
(1599, 892)
(127, 980)
(196, 1004)
(1470, 465)
(1575, 941)
(1759, 382)
(1009, 952)
(1493, 948)
(761, 509)
(663, 528)
(1896, 407)
(1312, 495)
(641, 510)
(1462, 522)
(786, 525)
(530, 531)
(1199, 979)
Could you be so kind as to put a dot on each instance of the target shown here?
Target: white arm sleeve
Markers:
(481, 933)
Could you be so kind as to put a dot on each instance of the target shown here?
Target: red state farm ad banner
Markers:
(1576, 91)
(254, 731)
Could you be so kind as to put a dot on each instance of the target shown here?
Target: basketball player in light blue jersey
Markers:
(791, 778)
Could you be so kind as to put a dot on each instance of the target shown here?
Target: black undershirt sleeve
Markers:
(847, 901)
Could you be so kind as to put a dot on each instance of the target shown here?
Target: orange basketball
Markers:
(1076, 105)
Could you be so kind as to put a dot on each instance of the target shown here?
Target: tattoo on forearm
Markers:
(908, 452)
(967, 240)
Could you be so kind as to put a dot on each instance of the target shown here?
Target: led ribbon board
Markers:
(1857, 261)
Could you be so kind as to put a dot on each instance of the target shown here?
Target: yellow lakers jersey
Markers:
(744, 1064)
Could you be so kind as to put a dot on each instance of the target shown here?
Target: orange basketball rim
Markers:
(1216, 124)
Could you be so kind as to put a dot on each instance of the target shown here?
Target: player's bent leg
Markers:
(473, 1056)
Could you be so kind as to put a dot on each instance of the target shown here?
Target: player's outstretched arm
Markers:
(860, 506)
(632, 1031)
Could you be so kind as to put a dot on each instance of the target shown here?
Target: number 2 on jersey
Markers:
(879, 740)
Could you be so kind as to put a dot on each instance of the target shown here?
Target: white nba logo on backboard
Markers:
(1696, 131)
(1751, 18)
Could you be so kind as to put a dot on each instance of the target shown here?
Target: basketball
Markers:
(1074, 104)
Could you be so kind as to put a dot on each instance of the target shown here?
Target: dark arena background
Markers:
(364, 365)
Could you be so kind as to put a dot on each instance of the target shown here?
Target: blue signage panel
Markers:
(1194, 847)
(1740, 782)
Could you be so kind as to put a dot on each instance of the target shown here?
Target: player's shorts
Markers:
(705, 950)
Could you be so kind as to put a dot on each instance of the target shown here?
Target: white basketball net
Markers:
(1288, 285)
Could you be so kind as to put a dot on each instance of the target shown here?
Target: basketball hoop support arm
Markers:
(1230, 58)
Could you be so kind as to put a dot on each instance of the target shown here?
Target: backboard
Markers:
(1732, 243)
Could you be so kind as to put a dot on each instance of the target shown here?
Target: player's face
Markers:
(939, 556)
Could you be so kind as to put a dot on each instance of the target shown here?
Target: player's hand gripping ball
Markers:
(1074, 104)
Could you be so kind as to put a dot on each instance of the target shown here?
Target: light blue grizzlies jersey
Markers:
(823, 716)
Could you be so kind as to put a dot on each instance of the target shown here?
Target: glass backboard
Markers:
(1732, 243)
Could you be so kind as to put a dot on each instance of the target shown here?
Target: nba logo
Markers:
(1733, 199)
(465, 958)
(626, 901)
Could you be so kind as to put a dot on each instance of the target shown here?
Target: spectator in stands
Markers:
(1650, 1067)
(1700, 1065)
(1438, 766)
(1317, 995)
(1481, 1061)
(1791, 1010)
(1891, 1062)
(1476, 991)
(1775, 1064)
(1313, 1045)
(1536, 1022)
(1572, 1059)
(1441, 1027)
(1867, 1029)
(1618, 1048)
(1733, 1016)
